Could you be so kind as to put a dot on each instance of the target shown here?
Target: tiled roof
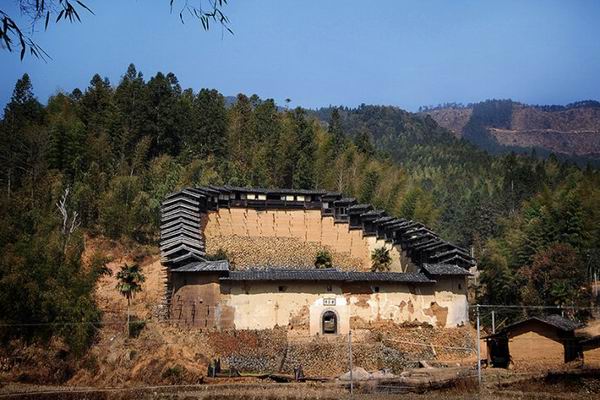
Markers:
(561, 322)
(325, 275)
(229, 188)
(181, 231)
(360, 207)
(554, 320)
(444, 269)
(204, 266)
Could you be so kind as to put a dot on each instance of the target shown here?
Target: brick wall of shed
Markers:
(536, 344)
(591, 357)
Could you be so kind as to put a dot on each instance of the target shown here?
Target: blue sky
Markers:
(335, 52)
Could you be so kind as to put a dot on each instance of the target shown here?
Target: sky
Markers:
(320, 53)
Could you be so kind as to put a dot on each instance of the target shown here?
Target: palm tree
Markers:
(380, 260)
(130, 279)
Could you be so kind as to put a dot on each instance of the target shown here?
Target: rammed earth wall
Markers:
(292, 238)
(202, 302)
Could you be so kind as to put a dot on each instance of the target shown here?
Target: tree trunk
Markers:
(128, 302)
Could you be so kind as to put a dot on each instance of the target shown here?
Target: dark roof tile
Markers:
(204, 266)
(444, 269)
(273, 274)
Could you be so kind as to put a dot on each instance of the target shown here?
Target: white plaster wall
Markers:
(260, 305)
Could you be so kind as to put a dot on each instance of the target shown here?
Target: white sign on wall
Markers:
(329, 301)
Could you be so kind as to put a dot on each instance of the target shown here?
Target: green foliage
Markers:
(43, 283)
(323, 259)
(218, 255)
(136, 327)
(130, 279)
(174, 375)
(380, 260)
(123, 148)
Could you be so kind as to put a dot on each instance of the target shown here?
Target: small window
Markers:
(289, 198)
(251, 196)
(262, 196)
(282, 288)
(329, 288)
(300, 198)
(325, 205)
(243, 196)
(307, 198)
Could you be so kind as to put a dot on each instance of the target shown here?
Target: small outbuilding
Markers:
(541, 341)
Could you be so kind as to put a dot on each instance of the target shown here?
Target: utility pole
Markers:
(493, 321)
(478, 348)
(350, 359)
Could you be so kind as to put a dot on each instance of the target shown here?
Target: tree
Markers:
(22, 115)
(209, 132)
(130, 280)
(323, 259)
(336, 131)
(369, 186)
(304, 171)
(380, 260)
(364, 143)
(36, 12)
(556, 277)
(132, 112)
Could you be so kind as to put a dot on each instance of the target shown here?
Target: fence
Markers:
(394, 358)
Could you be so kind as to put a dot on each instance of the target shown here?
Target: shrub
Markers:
(380, 260)
(323, 259)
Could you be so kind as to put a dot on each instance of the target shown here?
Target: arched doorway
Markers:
(329, 323)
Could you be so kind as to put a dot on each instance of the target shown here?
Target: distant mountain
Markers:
(503, 125)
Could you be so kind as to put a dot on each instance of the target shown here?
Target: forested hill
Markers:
(500, 126)
(99, 160)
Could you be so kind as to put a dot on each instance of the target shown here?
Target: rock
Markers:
(358, 374)
(383, 374)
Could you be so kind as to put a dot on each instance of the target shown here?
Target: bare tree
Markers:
(71, 220)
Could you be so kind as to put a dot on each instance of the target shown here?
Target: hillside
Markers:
(110, 153)
(568, 130)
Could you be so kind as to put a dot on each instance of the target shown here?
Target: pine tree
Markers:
(209, 132)
(304, 173)
(369, 186)
(20, 114)
(364, 143)
(336, 131)
(133, 109)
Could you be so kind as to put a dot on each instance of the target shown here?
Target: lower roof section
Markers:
(274, 274)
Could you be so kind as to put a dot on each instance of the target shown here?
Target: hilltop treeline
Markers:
(100, 160)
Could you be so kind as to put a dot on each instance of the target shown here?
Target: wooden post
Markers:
(493, 321)
(478, 348)
(350, 359)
